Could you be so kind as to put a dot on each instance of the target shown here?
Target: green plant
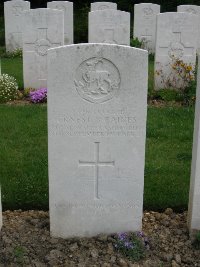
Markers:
(132, 245)
(26, 92)
(19, 254)
(196, 242)
(8, 88)
(135, 42)
(13, 67)
(17, 53)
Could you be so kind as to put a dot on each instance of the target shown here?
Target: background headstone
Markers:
(145, 24)
(103, 5)
(97, 101)
(194, 199)
(193, 10)
(67, 8)
(109, 26)
(13, 23)
(43, 29)
(176, 39)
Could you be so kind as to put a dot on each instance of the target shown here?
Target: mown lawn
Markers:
(24, 166)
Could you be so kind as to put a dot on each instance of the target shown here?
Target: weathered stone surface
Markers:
(103, 5)
(43, 29)
(193, 10)
(176, 39)
(13, 23)
(109, 26)
(67, 8)
(194, 199)
(145, 24)
(97, 100)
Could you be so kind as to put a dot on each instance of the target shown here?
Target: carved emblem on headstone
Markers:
(102, 7)
(41, 46)
(191, 10)
(17, 10)
(176, 50)
(97, 80)
(60, 7)
(148, 11)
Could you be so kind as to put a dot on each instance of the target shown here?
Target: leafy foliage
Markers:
(135, 42)
(132, 245)
(8, 88)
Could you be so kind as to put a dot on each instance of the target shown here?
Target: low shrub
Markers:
(17, 53)
(8, 88)
(132, 245)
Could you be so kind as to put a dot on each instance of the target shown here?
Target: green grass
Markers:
(14, 68)
(23, 157)
(168, 157)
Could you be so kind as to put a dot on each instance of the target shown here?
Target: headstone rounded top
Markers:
(98, 47)
(147, 4)
(189, 8)
(103, 5)
(175, 14)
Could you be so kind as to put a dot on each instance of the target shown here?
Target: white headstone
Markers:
(109, 26)
(97, 101)
(176, 39)
(193, 10)
(13, 23)
(103, 5)
(145, 24)
(43, 29)
(67, 8)
(194, 199)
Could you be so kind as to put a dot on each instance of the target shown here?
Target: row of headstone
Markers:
(144, 22)
(14, 23)
(145, 17)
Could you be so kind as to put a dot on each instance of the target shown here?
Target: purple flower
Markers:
(140, 234)
(39, 95)
(128, 245)
(122, 236)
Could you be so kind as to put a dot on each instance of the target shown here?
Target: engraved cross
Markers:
(147, 37)
(96, 164)
(188, 50)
